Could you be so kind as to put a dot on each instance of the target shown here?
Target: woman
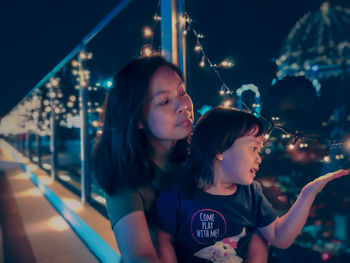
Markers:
(148, 119)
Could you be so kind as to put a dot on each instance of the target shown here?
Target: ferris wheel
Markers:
(318, 47)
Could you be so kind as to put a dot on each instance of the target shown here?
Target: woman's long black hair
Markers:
(121, 155)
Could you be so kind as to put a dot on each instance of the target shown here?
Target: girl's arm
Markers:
(165, 248)
(283, 231)
(134, 240)
(258, 250)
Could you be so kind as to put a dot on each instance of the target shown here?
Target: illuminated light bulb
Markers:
(226, 64)
(99, 109)
(184, 32)
(83, 83)
(89, 55)
(95, 124)
(48, 85)
(267, 136)
(72, 98)
(157, 18)
(202, 63)
(57, 110)
(197, 48)
(82, 55)
(222, 92)
(54, 82)
(200, 36)
(90, 88)
(291, 146)
(147, 32)
(70, 104)
(48, 109)
(74, 63)
(326, 159)
(75, 72)
(227, 103)
(147, 51)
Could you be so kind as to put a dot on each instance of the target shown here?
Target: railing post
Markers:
(53, 147)
(38, 149)
(85, 179)
(172, 37)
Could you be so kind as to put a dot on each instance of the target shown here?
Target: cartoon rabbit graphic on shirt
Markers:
(222, 251)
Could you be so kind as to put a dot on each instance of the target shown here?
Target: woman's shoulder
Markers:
(122, 203)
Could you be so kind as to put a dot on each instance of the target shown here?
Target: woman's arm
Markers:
(258, 250)
(134, 240)
(165, 247)
(283, 231)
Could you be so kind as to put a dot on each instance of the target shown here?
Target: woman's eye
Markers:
(164, 102)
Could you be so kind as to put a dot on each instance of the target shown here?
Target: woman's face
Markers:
(168, 109)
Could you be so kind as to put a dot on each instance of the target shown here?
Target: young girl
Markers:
(212, 218)
(148, 118)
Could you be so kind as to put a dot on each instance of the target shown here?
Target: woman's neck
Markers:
(161, 153)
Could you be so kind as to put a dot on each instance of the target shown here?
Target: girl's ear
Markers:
(220, 157)
(140, 125)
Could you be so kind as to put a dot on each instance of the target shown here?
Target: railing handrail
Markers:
(105, 21)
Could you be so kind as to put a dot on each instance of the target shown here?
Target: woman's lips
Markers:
(185, 123)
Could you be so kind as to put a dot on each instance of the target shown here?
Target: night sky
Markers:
(37, 35)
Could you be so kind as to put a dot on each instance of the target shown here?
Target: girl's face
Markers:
(241, 161)
(168, 110)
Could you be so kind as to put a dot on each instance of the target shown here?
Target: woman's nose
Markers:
(182, 106)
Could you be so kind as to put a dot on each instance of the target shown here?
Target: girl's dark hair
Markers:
(214, 133)
(121, 155)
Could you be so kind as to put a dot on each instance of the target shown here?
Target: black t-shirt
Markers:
(213, 228)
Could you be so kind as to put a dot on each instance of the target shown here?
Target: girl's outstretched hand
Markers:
(317, 185)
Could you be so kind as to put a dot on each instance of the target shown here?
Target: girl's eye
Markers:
(255, 149)
(183, 93)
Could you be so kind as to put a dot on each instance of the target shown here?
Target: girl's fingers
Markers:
(331, 176)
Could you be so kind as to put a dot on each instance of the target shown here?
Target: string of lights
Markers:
(66, 108)
(226, 91)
